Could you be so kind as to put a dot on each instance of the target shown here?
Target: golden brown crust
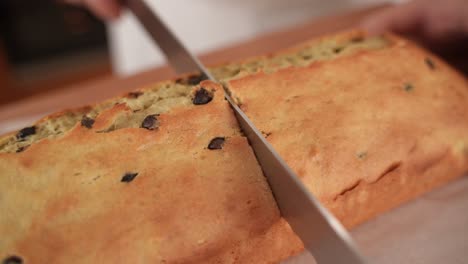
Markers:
(67, 199)
(367, 131)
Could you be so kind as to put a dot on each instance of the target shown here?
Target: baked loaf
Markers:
(367, 131)
(164, 175)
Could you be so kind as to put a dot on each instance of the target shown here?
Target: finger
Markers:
(446, 20)
(402, 18)
(107, 9)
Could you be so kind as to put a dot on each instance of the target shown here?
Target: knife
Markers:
(322, 234)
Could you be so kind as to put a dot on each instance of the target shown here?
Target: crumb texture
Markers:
(152, 101)
(326, 48)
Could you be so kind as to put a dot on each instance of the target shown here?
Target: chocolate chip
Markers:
(134, 95)
(362, 155)
(216, 143)
(12, 260)
(25, 132)
(337, 50)
(150, 122)
(357, 39)
(409, 87)
(129, 176)
(266, 134)
(191, 80)
(202, 96)
(430, 63)
(87, 122)
(21, 149)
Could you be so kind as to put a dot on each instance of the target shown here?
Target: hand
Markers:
(105, 9)
(433, 19)
(440, 25)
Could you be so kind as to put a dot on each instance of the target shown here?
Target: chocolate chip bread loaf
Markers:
(164, 175)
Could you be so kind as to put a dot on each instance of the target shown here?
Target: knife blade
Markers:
(322, 234)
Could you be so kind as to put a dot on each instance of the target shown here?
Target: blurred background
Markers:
(45, 45)
(48, 45)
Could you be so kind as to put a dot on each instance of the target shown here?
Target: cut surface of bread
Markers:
(158, 98)
(315, 50)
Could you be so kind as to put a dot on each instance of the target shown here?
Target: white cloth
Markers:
(205, 25)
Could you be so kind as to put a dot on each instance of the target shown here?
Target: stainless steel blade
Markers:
(321, 233)
(181, 60)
